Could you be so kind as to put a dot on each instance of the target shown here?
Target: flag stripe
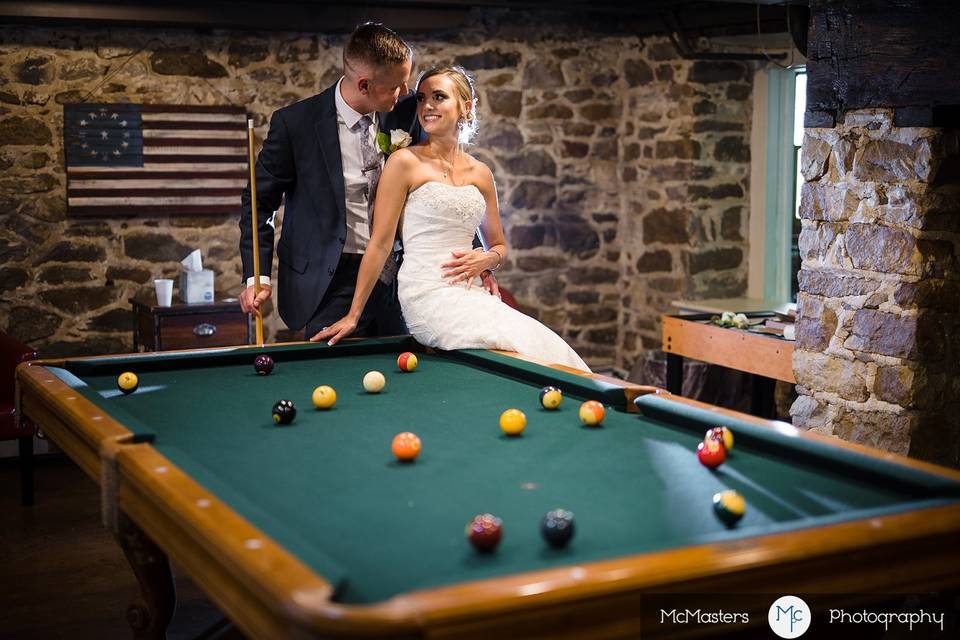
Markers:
(164, 159)
(158, 193)
(192, 108)
(188, 150)
(155, 210)
(122, 199)
(194, 143)
(235, 184)
(212, 126)
(172, 170)
(209, 134)
(150, 118)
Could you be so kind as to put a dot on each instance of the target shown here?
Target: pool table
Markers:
(314, 529)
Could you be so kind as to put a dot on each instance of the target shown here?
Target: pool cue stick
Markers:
(256, 230)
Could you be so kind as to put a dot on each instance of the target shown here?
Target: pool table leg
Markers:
(151, 613)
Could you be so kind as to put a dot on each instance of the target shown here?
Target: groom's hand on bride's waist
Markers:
(489, 282)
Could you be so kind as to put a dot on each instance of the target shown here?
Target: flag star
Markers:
(103, 134)
(93, 116)
(93, 153)
(123, 123)
(126, 135)
(83, 123)
(116, 152)
(124, 144)
(114, 116)
(83, 146)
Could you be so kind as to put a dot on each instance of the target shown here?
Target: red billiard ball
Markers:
(263, 364)
(591, 413)
(484, 532)
(711, 453)
(407, 362)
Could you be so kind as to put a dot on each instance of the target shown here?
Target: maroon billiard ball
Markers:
(711, 453)
(263, 364)
(484, 532)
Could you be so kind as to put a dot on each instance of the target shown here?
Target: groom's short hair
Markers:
(375, 45)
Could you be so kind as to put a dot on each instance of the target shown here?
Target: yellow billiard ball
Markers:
(128, 382)
(324, 397)
(374, 382)
(513, 422)
(550, 397)
(722, 435)
(591, 413)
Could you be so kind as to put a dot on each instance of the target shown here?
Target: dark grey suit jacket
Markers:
(300, 162)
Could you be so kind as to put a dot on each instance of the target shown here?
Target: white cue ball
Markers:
(374, 382)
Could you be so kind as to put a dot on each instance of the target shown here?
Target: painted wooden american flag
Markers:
(152, 159)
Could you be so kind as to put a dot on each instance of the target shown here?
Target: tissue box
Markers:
(196, 286)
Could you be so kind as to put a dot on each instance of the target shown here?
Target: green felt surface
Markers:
(327, 487)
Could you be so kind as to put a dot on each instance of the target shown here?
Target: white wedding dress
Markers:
(439, 218)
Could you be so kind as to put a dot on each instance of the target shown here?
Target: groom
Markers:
(320, 158)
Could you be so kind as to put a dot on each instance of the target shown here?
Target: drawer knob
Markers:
(204, 329)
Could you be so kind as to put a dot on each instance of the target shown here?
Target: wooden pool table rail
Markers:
(270, 593)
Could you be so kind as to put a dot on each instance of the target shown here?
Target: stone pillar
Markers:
(878, 328)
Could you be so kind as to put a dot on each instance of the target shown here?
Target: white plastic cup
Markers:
(164, 291)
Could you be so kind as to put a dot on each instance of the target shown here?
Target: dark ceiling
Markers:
(638, 17)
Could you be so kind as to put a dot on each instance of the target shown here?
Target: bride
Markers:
(439, 195)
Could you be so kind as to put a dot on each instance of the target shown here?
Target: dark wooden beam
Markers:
(899, 54)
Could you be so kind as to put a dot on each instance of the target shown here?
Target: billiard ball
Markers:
(722, 435)
(407, 362)
(284, 412)
(557, 527)
(729, 507)
(513, 422)
(591, 413)
(550, 397)
(128, 382)
(711, 453)
(374, 382)
(263, 364)
(324, 397)
(406, 446)
(484, 532)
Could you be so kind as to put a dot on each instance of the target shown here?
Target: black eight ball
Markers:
(557, 527)
(263, 364)
(284, 412)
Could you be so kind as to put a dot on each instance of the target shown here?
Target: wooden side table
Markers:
(188, 326)
(768, 358)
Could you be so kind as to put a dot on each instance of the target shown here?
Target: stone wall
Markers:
(878, 335)
(622, 171)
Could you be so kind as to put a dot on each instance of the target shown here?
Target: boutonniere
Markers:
(398, 139)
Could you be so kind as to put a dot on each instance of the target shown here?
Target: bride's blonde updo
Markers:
(466, 92)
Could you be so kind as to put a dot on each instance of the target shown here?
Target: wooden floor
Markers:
(61, 573)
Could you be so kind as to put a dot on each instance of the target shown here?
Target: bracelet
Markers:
(499, 260)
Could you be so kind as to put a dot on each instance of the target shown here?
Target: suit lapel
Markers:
(329, 137)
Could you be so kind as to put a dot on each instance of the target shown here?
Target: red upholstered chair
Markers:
(508, 299)
(12, 353)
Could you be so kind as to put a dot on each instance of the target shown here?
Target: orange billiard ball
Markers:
(407, 362)
(591, 413)
(406, 446)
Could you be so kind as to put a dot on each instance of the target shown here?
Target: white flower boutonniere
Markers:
(398, 139)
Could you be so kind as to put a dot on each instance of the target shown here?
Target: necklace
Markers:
(445, 169)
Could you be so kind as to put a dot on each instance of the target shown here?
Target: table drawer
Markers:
(202, 330)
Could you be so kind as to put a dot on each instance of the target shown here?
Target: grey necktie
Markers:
(370, 157)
